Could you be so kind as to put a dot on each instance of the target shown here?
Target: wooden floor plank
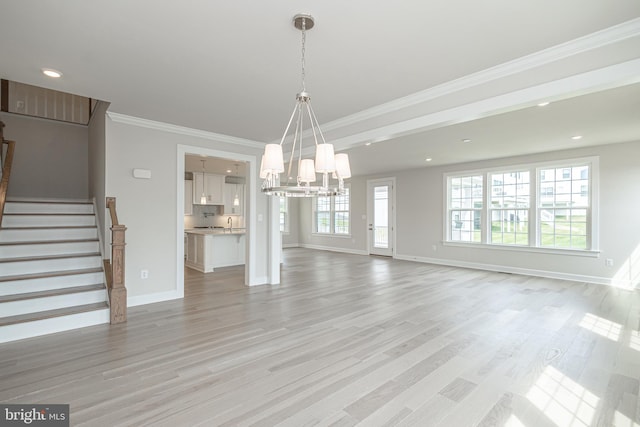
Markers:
(346, 340)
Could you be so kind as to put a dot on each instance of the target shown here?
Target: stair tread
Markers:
(22, 318)
(50, 257)
(52, 202)
(52, 292)
(47, 242)
(55, 227)
(48, 214)
(51, 274)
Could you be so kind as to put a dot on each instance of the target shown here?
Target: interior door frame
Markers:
(250, 198)
(392, 217)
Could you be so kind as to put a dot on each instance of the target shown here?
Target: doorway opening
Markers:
(216, 215)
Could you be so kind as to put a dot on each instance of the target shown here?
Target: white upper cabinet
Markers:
(211, 185)
(230, 191)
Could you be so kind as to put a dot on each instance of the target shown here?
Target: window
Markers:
(284, 214)
(331, 214)
(323, 215)
(341, 213)
(509, 208)
(563, 215)
(548, 205)
(465, 208)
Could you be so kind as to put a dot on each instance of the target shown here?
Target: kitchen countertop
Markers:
(215, 231)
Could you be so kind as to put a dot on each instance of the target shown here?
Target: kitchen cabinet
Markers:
(229, 194)
(211, 185)
(210, 249)
(188, 197)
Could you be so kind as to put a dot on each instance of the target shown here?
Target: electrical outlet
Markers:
(144, 274)
(608, 262)
(20, 105)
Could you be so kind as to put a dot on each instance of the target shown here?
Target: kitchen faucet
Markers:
(230, 222)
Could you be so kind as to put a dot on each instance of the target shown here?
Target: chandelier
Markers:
(301, 172)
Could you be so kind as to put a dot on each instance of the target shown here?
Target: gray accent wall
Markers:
(50, 158)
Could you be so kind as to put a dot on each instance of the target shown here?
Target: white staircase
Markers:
(51, 273)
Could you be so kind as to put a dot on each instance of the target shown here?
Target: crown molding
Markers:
(182, 130)
(605, 78)
(559, 52)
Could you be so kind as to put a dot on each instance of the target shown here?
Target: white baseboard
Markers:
(333, 249)
(151, 298)
(290, 245)
(506, 269)
(261, 280)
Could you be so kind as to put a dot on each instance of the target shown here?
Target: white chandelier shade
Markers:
(307, 171)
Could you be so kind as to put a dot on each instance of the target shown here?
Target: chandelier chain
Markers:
(304, 40)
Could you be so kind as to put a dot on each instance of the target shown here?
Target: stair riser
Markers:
(35, 305)
(36, 328)
(47, 220)
(41, 266)
(73, 208)
(43, 249)
(35, 235)
(14, 287)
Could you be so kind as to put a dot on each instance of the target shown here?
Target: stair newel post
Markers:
(118, 291)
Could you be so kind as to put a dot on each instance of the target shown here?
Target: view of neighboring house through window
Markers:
(284, 214)
(341, 213)
(563, 207)
(510, 207)
(465, 208)
(541, 205)
(331, 214)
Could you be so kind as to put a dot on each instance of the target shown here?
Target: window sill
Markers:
(340, 236)
(592, 253)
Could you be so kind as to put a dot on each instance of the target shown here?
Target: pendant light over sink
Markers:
(203, 198)
(297, 181)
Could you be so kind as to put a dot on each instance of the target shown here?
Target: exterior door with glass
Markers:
(380, 215)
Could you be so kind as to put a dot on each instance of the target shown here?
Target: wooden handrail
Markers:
(6, 169)
(115, 271)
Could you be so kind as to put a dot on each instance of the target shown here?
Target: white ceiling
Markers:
(414, 76)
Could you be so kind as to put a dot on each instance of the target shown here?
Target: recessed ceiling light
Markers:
(543, 104)
(367, 143)
(467, 140)
(228, 170)
(49, 72)
(428, 159)
(576, 137)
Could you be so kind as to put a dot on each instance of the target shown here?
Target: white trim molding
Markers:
(136, 300)
(182, 130)
(559, 52)
(511, 270)
(333, 249)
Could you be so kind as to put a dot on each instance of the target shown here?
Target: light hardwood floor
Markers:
(346, 340)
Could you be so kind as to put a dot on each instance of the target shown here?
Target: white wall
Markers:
(420, 218)
(148, 207)
(292, 238)
(97, 169)
(50, 158)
